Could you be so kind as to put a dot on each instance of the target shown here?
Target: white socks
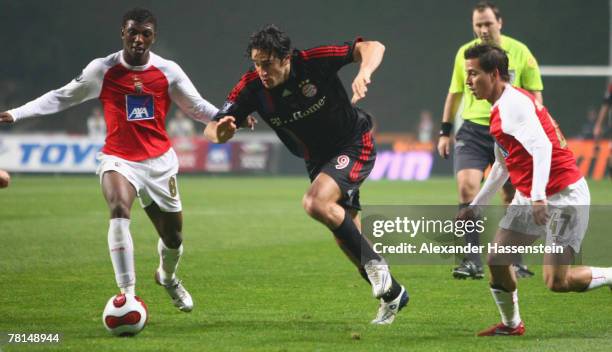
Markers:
(122, 254)
(168, 262)
(507, 303)
(600, 277)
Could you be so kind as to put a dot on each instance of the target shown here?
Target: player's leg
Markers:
(170, 245)
(170, 249)
(321, 203)
(387, 309)
(161, 201)
(473, 153)
(503, 284)
(569, 214)
(468, 184)
(119, 194)
(521, 270)
(508, 192)
(559, 276)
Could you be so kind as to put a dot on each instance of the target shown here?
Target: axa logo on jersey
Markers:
(139, 107)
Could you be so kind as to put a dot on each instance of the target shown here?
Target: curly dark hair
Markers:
(139, 15)
(271, 40)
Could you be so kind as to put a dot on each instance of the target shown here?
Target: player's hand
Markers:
(226, 127)
(540, 212)
(6, 117)
(360, 86)
(468, 213)
(5, 179)
(250, 122)
(444, 146)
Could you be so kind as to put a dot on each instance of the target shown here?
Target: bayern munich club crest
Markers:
(309, 90)
(342, 162)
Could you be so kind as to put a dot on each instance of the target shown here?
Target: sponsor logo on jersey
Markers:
(309, 90)
(342, 162)
(298, 115)
(139, 107)
(137, 84)
(226, 106)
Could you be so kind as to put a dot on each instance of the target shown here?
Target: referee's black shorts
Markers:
(474, 147)
(349, 168)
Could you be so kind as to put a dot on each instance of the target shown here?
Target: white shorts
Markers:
(154, 179)
(569, 216)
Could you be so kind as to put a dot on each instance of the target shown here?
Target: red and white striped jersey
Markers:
(523, 128)
(135, 100)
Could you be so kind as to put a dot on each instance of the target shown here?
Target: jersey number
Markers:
(172, 186)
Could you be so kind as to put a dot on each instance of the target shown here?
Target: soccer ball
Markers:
(125, 315)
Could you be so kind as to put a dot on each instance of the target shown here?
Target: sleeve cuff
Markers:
(538, 196)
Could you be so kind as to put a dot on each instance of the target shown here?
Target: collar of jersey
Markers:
(507, 88)
(135, 68)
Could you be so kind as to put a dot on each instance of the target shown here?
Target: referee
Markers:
(473, 144)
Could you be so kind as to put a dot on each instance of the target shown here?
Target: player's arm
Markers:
(85, 87)
(523, 124)
(188, 99)
(496, 179)
(235, 112)
(369, 54)
(222, 130)
(451, 105)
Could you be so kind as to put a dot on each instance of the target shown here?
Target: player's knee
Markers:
(119, 210)
(173, 241)
(315, 208)
(495, 259)
(557, 284)
(467, 192)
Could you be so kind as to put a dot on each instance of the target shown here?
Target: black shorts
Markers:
(474, 147)
(349, 168)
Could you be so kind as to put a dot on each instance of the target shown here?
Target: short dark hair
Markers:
(271, 40)
(139, 15)
(491, 58)
(483, 5)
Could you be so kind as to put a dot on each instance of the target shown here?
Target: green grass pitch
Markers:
(264, 277)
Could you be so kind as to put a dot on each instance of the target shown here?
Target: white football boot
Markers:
(180, 297)
(379, 276)
(388, 310)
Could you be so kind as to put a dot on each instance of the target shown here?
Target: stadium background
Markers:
(48, 43)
